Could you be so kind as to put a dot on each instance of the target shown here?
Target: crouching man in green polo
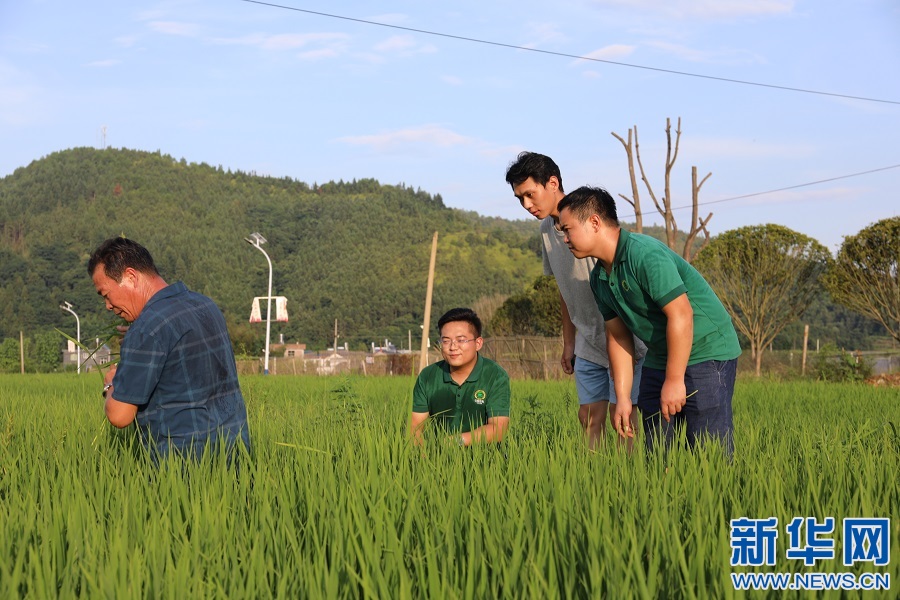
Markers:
(466, 395)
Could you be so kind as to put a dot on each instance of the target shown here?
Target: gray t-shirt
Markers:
(573, 278)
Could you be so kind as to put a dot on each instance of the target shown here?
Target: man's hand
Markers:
(679, 340)
(622, 418)
(672, 398)
(108, 376)
(417, 423)
(569, 333)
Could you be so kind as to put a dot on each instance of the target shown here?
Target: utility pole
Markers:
(423, 360)
(335, 336)
(67, 306)
(256, 240)
(805, 342)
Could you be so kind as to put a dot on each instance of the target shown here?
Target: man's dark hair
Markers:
(537, 166)
(117, 254)
(461, 314)
(587, 201)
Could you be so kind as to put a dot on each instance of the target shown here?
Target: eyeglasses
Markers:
(447, 342)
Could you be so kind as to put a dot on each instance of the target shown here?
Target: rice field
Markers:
(334, 503)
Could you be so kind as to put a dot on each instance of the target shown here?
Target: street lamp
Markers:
(67, 306)
(257, 240)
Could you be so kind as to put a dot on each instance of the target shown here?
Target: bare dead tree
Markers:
(671, 226)
(664, 207)
(635, 200)
(697, 224)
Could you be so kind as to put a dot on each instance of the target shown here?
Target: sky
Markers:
(279, 90)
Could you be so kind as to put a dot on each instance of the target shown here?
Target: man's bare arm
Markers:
(416, 426)
(492, 432)
(620, 348)
(679, 341)
(569, 331)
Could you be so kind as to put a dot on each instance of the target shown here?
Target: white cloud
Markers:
(451, 79)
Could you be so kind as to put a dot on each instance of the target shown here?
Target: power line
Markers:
(575, 56)
(790, 187)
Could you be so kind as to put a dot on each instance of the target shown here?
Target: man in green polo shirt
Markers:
(466, 395)
(642, 286)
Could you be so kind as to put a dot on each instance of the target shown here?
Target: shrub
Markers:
(831, 364)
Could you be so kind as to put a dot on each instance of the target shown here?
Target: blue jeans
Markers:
(706, 414)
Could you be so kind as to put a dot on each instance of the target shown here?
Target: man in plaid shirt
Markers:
(176, 376)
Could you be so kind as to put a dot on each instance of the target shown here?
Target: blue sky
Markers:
(288, 93)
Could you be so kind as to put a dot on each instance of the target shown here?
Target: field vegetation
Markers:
(334, 503)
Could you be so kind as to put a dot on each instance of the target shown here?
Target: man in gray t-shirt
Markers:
(537, 183)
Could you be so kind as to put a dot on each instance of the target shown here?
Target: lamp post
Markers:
(67, 306)
(257, 240)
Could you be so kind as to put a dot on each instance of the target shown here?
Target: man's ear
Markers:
(479, 342)
(552, 183)
(129, 277)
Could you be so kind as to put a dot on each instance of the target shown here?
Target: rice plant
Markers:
(334, 503)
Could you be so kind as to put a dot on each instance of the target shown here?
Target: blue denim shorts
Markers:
(595, 384)
(591, 381)
(706, 413)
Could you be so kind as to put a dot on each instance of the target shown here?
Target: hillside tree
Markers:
(864, 278)
(766, 276)
(536, 311)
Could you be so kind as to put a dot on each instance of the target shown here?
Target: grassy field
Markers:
(334, 503)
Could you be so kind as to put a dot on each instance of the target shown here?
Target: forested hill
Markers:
(353, 251)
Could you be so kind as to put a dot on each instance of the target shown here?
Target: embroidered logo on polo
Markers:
(625, 285)
(479, 396)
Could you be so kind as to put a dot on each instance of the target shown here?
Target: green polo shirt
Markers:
(645, 276)
(461, 408)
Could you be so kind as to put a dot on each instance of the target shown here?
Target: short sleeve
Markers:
(140, 368)
(420, 397)
(657, 273)
(548, 270)
(498, 401)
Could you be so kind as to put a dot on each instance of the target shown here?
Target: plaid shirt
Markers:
(178, 367)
